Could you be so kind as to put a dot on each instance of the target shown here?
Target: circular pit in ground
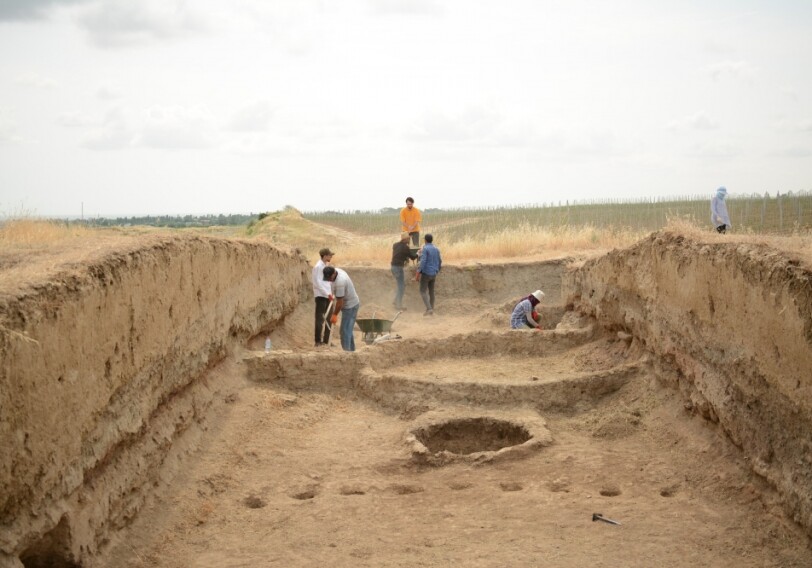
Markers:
(441, 437)
(469, 435)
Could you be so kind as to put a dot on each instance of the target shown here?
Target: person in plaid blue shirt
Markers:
(524, 311)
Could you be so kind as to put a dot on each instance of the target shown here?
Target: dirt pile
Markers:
(99, 377)
(730, 326)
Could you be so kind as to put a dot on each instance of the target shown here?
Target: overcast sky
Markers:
(127, 107)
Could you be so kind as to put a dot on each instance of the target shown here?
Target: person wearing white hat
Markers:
(524, 314)
(719, 215)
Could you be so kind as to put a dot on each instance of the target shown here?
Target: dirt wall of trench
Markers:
(494, 283)
(102, 367)
(731, 327)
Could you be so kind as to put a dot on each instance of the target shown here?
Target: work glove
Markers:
(333, 319)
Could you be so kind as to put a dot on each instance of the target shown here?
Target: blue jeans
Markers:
(397, 272)
(348, 316)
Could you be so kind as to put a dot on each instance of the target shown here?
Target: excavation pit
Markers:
(470, 435)
(440, 438)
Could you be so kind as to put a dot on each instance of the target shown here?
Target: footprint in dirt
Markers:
(669, 491)
(610, 491)
(304, 493)
(405, 489)
(511, 486)
(352, 490)
(559, 485)
(254, 502)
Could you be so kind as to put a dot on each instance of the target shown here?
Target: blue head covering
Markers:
(721, 192)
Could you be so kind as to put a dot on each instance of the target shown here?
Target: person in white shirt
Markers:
(323, 294)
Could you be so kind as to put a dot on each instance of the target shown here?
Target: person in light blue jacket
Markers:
(427, 271)
(719, 215)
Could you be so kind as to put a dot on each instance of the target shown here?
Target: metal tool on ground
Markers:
(599, 517)
(372, 327)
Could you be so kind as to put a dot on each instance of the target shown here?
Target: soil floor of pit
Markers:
(289, 478)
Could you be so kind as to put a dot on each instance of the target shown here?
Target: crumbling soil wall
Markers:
(102, 368)
(731, 326)
(494, 283)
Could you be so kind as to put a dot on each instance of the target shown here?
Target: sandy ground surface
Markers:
(289, 478)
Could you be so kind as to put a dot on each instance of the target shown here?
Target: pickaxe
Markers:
(599, 517)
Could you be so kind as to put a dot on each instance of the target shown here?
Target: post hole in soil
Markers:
(470, 435)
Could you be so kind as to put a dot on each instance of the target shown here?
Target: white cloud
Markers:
(115, 133)
(252, 118)
(118, 23)
(315, 129)
(716, 150)
(257, 145)
(31, 79)
(107, 93)
(795, 151)
(447, 94)
(405, 7)
(176, 127)
(790, 93)
(473, 124)
(696, 121)
(8, 128)
(741, 70)
(292, 26)
(157, 127)
(30, 9)
(75, 120)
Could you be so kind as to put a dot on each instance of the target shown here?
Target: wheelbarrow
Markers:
(374, 327)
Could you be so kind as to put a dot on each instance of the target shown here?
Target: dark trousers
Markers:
(400, 279)
(321, 309)
(415, 238)
(427, 290)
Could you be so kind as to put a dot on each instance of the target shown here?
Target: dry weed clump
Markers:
(516, 243)
(541, 241)
(27, 232)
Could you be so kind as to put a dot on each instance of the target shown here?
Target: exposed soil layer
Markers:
(104, 367)
(454, 441)
(730, 325)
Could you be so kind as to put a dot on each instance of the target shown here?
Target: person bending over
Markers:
(524, 314)
(347, 302)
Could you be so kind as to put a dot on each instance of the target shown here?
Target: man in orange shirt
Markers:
(410, 218)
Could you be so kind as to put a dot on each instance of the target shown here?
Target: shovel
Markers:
(326, 325)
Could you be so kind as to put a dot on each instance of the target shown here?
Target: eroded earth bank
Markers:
(142, 424)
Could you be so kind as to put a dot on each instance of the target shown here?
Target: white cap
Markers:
(538, 294)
